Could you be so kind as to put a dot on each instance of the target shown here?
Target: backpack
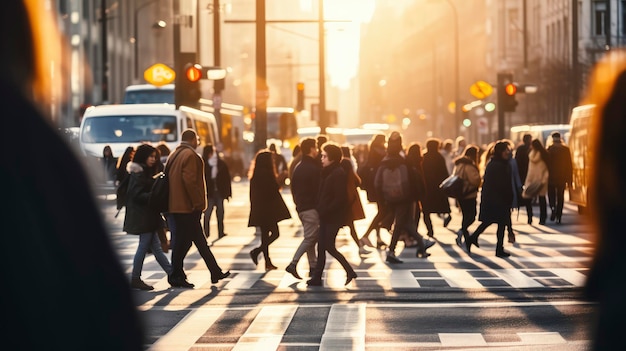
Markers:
(121, 193)
(395, 184)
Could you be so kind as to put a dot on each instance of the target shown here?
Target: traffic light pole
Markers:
(500, 105)
(260, 113)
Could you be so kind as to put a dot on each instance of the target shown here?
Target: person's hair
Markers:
(308, 144)
(273, 147)
(377, 140)
(345, 151)
(188, 135)
(126, 157)
(432, 144)
(471, 152)
(297, 150)
(207, 151)
(263, 163)
(499, 148)
(527, 138)
(333, 151)
(321, 139)
(163, 149)
(447, 144)
(414, 154)
(143, 152)
(556, 135)
(394, 143)
(106, 149)
(537, 145)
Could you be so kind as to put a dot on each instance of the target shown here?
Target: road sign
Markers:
(159, 75)
(481, 89)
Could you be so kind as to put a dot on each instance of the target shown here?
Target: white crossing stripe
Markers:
(184, 335)
(541, 338)
(345, 328)
(462, 339)
(571, 275)
(267, 329)
(517, 279)
(402, 278)
(244, 280)
(459, 278)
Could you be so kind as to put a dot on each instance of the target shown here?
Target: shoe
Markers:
(459, 234)
(391, 258)
(553, 216)
(422, 254)
(558, 221)
(364, 251)
(365, 241)
(530, 220)
(254, 255)
(512, 238)
(542, 222)
(469, 241)
(380, 244)
(137, 283)
(218, 277)
(428, 244)
(502, 254)
(350, 277)
(221, 235)
(179, 283)
(292, 269)
(447, 220)
(270, 267)
(314, 282)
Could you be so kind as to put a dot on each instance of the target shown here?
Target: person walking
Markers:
(332, 207)
(537, 177)
(414, 160)
(121, 171)
(398, 193)
(267, 206)
(304, 189)
(560, 175)
(435, 171)
(521, 158)
(140, 219)
(465, 167)
(109, 164)
(376, 153)
(187, 201)
(64, 287)
(496, 198)
(355, 206)
(218, 186)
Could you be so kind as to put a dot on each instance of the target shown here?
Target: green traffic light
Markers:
(490, 107)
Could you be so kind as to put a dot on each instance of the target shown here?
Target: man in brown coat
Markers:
(187, 201)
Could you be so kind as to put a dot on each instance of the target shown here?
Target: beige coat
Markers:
(465, 170)
(186, 177)
(537, 171)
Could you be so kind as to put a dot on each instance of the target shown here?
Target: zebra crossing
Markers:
(339, 326)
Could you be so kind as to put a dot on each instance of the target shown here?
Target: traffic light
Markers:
(187, 89)
(300, 96)
(507, 90)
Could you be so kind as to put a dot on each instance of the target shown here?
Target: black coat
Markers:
(497, 192)
(435, 171)
(560, 164)
(140, 217)
(222, 181)
(332, 203)
(305, 182)
(521, 157)
(267, 206)
(61, 263)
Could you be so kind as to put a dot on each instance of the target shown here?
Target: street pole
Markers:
(260, 112)
(457, 84)
(105, 52)
(323, 118)
(218, 85)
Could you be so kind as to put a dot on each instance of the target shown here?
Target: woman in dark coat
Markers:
(375, 155)
(496, 198)
(354, 200)
(332, 206)
(267, 206)
(140, 218)
(435, 171)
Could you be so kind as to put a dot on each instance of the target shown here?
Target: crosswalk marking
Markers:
(345, 328)
(183, 336)
(462, 339)
(267, 329)
(541, 338)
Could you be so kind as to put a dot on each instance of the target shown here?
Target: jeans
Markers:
(217, 202)
(188, 231)
(147, 241)
(311, 227)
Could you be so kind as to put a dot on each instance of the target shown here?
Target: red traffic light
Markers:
(193, 72)
(510, 89)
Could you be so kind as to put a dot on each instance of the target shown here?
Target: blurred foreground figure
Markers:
(607, 196)
(63, 287)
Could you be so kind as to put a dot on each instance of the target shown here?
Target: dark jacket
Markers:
(140, 217)
(395, 161)
(222, 181)
(266, 204)
(305, 182)
(354, 200)
(332, 204)
(53, 217)
(497, 192)
(435, 171)
(367, 173)
(521, 158)
(560, 167)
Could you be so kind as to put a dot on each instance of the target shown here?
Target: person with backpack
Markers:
(140, 218)
(395, 184)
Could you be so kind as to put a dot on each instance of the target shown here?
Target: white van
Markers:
(120, 126)
(149, 94)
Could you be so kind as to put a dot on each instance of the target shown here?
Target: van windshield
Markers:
(149, 96)
(129, 129)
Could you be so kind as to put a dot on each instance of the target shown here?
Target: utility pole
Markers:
(262, 93)
(218, 85)
(323, 116)
(105, 52)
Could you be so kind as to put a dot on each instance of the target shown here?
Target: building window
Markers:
(599, 17)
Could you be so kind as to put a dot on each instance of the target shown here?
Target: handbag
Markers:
(532, 190)
(452, 186)
(160, 194)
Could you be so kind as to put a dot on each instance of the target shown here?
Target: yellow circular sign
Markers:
(481, 89)
(159, 75)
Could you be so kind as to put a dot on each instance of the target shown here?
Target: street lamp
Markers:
(159, 24)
